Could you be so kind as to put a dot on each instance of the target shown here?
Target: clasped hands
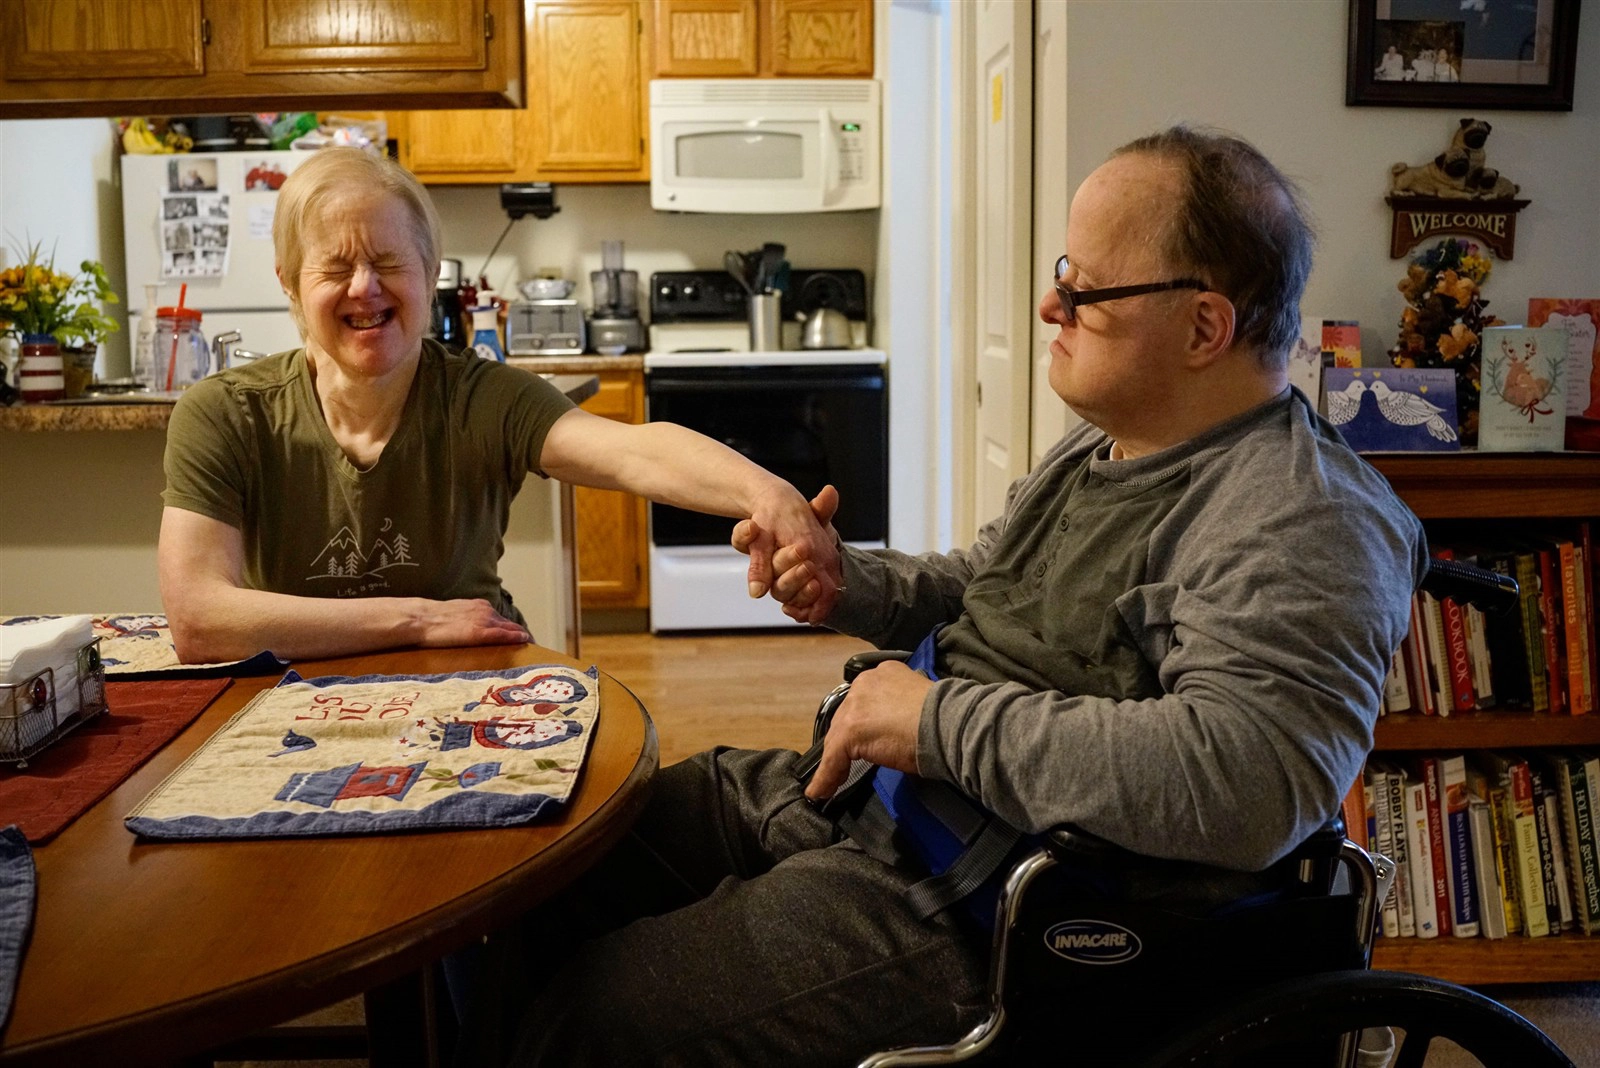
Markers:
(795, 557)
(880, 717)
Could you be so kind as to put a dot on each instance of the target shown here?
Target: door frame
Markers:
(963, 241)
(1050, 417)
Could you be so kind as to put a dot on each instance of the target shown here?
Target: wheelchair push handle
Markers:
(1465, 583)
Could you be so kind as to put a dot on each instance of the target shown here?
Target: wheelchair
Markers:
(1281, 979)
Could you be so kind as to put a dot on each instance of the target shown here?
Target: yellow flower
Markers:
(37, 299)
(1475, 267)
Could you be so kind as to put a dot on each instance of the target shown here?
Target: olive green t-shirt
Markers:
(250, 447)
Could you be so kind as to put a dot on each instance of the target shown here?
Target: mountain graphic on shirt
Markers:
(392, 551)
(344, 558)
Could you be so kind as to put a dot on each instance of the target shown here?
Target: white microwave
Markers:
(764, 146)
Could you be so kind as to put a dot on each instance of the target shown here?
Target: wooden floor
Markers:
(753, 690)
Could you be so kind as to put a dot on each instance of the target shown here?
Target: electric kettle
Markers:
(824, 328)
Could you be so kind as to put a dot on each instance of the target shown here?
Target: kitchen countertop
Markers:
(579, 384)
(586, 364)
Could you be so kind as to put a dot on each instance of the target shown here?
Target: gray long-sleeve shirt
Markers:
(1182, 653)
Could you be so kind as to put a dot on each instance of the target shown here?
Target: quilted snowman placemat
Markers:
(139, 645)
(376, 753)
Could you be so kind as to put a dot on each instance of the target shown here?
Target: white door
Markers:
(1003, 206)
(1051, 417)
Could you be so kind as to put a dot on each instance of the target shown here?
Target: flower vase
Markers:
(40, 374)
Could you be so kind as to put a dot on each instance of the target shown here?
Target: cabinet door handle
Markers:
(488, 25)
(205, 31)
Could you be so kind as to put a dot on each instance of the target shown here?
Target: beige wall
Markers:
(1274, 72)
(83, 510)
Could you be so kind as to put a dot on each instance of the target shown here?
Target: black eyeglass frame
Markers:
(1072, 298)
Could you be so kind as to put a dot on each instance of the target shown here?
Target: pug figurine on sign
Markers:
(1457, 173)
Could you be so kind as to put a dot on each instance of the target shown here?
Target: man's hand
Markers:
(798, 562)
(465, 622)
(878, 721)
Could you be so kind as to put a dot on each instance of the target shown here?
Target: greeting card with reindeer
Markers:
(1580, 318)
(1393, 409)
(1523, 398)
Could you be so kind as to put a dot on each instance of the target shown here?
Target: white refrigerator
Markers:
(205, 220)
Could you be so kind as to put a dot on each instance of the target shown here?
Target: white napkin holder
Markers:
(51, 681)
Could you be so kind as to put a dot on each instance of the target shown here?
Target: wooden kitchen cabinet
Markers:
(613, 542)
(585, 119)
(460, 146)
(586, 91)
(704, 38)
(163, 57)
(48, 40)
(762, 38)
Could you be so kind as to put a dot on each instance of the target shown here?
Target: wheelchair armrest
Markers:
(1321, 844)
(830, 704)
(1068, 842)
(1468, 584)
(871, 659)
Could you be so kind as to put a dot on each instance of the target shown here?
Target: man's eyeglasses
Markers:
(1074, 298)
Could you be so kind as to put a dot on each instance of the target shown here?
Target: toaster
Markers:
(545, 328)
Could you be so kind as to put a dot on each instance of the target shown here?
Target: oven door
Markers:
(810, 426)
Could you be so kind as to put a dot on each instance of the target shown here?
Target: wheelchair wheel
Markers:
(1334, 1003)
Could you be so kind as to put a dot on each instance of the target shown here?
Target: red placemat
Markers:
(61, 783)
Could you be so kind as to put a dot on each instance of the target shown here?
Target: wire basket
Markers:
(36, 713)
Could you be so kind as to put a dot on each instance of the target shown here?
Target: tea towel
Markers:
(17, 888)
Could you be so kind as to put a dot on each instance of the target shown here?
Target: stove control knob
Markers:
(667, 291)
(691, 291)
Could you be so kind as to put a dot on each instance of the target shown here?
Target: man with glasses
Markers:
(1175, 638)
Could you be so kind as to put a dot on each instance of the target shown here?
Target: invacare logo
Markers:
(1092, 942)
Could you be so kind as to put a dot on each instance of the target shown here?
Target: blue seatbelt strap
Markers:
(957, 841)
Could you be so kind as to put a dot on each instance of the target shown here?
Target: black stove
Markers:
(717, 297)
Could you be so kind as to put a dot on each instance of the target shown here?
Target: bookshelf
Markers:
(1458, 486)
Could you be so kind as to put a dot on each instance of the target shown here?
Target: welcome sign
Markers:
(1416, 219)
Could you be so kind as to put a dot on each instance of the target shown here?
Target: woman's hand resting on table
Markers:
(465, 622)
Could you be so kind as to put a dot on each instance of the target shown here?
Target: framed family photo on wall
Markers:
(1515, 54)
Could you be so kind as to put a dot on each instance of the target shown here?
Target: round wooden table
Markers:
(147, 951)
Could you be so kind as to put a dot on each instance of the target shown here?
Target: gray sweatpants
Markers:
(734, 926)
